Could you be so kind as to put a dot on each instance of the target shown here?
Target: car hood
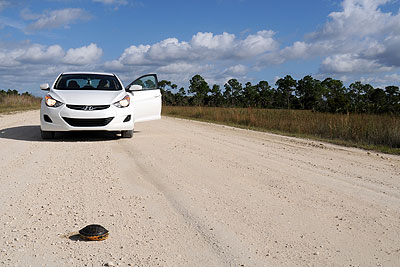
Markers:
(87, 97)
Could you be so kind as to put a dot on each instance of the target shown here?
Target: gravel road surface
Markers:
(184, 193)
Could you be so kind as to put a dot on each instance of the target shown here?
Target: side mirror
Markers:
(135, 87)
(45, 86)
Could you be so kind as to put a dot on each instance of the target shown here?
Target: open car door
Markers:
(146, 98)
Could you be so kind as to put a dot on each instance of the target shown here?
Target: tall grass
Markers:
(380, 132)
(9, 103)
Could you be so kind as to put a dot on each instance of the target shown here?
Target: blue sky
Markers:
(221, 39)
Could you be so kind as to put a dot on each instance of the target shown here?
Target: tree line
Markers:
(9, 92)
(329, 95)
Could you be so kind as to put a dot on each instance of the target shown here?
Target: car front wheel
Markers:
(47, 134)
(127, 134)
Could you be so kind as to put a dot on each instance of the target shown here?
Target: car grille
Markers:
(88, 107)
(88, 122)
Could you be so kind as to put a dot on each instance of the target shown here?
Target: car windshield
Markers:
(88, 82)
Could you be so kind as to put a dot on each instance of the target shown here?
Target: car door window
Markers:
(148, 82)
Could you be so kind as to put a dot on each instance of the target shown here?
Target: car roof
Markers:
(89, 72)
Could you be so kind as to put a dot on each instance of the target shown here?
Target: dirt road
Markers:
(182, 193)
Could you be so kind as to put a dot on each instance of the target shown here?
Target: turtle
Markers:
(94, 232)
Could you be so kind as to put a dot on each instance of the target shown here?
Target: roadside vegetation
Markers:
(328, 96)
(370, 131)
(359, 115)
(12, 100)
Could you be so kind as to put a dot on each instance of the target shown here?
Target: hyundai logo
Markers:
(88, 108)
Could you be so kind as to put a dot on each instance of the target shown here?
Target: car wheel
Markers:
(127, 134)
(47, 134)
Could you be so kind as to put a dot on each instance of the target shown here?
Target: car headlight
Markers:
(51, 102)
(123, 103)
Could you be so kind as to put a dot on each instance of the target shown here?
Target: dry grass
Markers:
(378, 132)
(10, 103)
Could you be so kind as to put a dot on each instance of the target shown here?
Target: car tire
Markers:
(47, 134)
(127, 134)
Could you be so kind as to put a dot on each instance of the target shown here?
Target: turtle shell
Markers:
(94, 232)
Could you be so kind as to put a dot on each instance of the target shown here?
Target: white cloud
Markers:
(296, 51)
(182, 67)
(134, 55)
(210, 41)
(216, 56)
(203, 47)
(83, 55)
(226, 45)
(382, 81)
(388, 79)
(256, 44)
(36, 56)
(112, 2)
(349, 63)
(8, 58)
(41, 54)
(114, 65)
(24, 66)
(55, 18)
(389, 52)
(360, 38)
(237, 70)
(169, 50)
(358, 18)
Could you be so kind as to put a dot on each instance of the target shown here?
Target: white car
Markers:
(87, 101)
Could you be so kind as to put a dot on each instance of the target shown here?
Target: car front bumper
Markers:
(66, 119)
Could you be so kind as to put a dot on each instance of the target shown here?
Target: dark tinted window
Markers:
(147, 82)
(87, 82)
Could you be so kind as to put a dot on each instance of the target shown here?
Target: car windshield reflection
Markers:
(88, 82)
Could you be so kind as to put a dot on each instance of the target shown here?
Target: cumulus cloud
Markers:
(393, 78)
(297, 50)
(217, 56)
(256, 44)
(389, 52)
(182, 67)
(381, 81)
(24, 65)
(8, 58)
(168, 50)
(377, 35)
(360, 38)
(55, 18)
(83, 55)
(210, 41)
(114, 65)
(40, 55)
(358, 18)
(204, 46)
(134, 55)
(350, 63)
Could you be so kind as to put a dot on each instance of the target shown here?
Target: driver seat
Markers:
(104, 83)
